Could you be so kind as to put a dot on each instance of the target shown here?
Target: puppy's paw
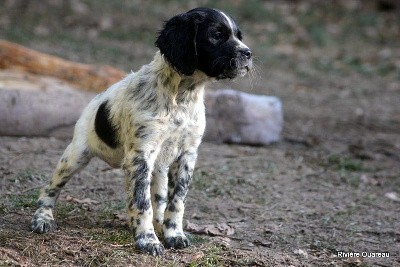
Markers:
(42, 223)
(150, 244)
(178, 242)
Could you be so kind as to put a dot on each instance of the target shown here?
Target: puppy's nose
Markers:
(247, 53)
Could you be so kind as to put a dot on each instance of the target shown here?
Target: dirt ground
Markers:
(331, 185)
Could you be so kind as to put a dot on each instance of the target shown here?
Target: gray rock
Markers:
(242, 118)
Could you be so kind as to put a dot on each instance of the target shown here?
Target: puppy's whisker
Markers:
(217, 61)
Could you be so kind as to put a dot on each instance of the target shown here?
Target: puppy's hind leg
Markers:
(75, 157)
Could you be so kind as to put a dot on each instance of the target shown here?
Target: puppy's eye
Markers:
(217, 35)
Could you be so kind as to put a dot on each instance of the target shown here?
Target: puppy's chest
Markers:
(184, 131)
(182, 120)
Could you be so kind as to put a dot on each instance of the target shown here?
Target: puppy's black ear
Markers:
(177, 42)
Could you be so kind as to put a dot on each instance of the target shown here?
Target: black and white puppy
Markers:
(151, 123)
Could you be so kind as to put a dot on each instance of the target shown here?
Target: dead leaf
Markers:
(262, 243)
(221, 240)
(301, 252)
(392, 196)
(122, 216)
(369, 180)
(85, 201)
(222, 229)
(226, 229)
(197, 256)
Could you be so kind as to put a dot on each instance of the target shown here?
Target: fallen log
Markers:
(242, 118)
(32, 105)
(86, 77)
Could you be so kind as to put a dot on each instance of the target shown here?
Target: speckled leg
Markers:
(179, 178)
(138, 166)
(74, 159)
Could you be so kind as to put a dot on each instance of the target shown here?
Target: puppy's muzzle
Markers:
(246, 56)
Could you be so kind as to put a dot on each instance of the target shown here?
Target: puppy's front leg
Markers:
(138, 167)
(179, 179)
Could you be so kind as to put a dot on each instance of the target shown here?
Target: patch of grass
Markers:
(120, 237)
(100, 259)
(107, 212)
(356, 64)
(211, 258)
(343, 163)
(29, 174)
(22, 201)
(348, 168)
(3, 209)
(196, 239)
(111, 236)
(63, 210)
(201, 180)
(351, 179)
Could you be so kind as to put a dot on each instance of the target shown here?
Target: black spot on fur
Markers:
(171, 207)
(62, 171)
(103, 126)
(181, 188)
(141, 132)
(177, 242)
(150, 103)
(178, 122)
(141, 184)
(85, 153)
(140, 236)
(41, 204)
(168, 224)
(151, 236)
(142, 83)
(51, 193)
(62, 183)
(159, 199)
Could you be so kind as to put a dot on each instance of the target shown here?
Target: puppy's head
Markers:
(205, 39)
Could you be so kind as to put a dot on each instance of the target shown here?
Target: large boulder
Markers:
(238, 117)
